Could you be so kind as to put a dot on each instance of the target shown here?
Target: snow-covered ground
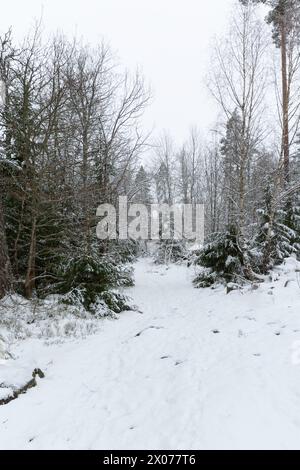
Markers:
(197, 369)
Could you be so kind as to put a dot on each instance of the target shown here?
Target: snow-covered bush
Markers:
(221, 260)
(3, 350)
(125, 251)
(91, 282)
(49, 319)
(170, 251)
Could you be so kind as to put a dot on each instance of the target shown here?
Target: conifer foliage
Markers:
(91, 281)
(221, 258)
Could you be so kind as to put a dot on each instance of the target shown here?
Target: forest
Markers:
(72, 138)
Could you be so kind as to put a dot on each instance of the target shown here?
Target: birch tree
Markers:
(238, 82)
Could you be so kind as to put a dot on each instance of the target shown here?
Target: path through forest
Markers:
(195, 369)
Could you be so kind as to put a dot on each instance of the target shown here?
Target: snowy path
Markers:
(197, 369)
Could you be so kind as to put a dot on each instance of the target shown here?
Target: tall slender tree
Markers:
(6, 55)
(238, 81)
(284, 16)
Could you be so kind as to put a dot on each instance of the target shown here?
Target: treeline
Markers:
(69, 140)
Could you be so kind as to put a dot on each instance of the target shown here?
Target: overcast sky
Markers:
(168, 39)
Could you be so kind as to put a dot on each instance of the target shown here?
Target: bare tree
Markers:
(213, 187)
(164, 169)
(238, 83)
(190, 168)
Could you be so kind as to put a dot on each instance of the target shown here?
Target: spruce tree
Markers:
(90, 280)
(142, 187)
(162, 190)
(221, 260)
(275, 239)
(230, 150)
(294, 212)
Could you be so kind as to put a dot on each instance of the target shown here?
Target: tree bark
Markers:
(5, 266)
(30, 276)
(285, 103)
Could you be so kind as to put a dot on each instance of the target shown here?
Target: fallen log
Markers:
(32, 383)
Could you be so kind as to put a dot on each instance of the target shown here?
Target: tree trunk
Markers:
(285, 103)
(5, 266)
(30, 276)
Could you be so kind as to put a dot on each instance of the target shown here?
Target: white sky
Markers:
(168, 39)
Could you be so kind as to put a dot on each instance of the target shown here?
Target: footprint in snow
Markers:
(148, 328)
(176, 363)
(250, 318)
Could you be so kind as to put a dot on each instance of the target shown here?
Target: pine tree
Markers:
(284, 16)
